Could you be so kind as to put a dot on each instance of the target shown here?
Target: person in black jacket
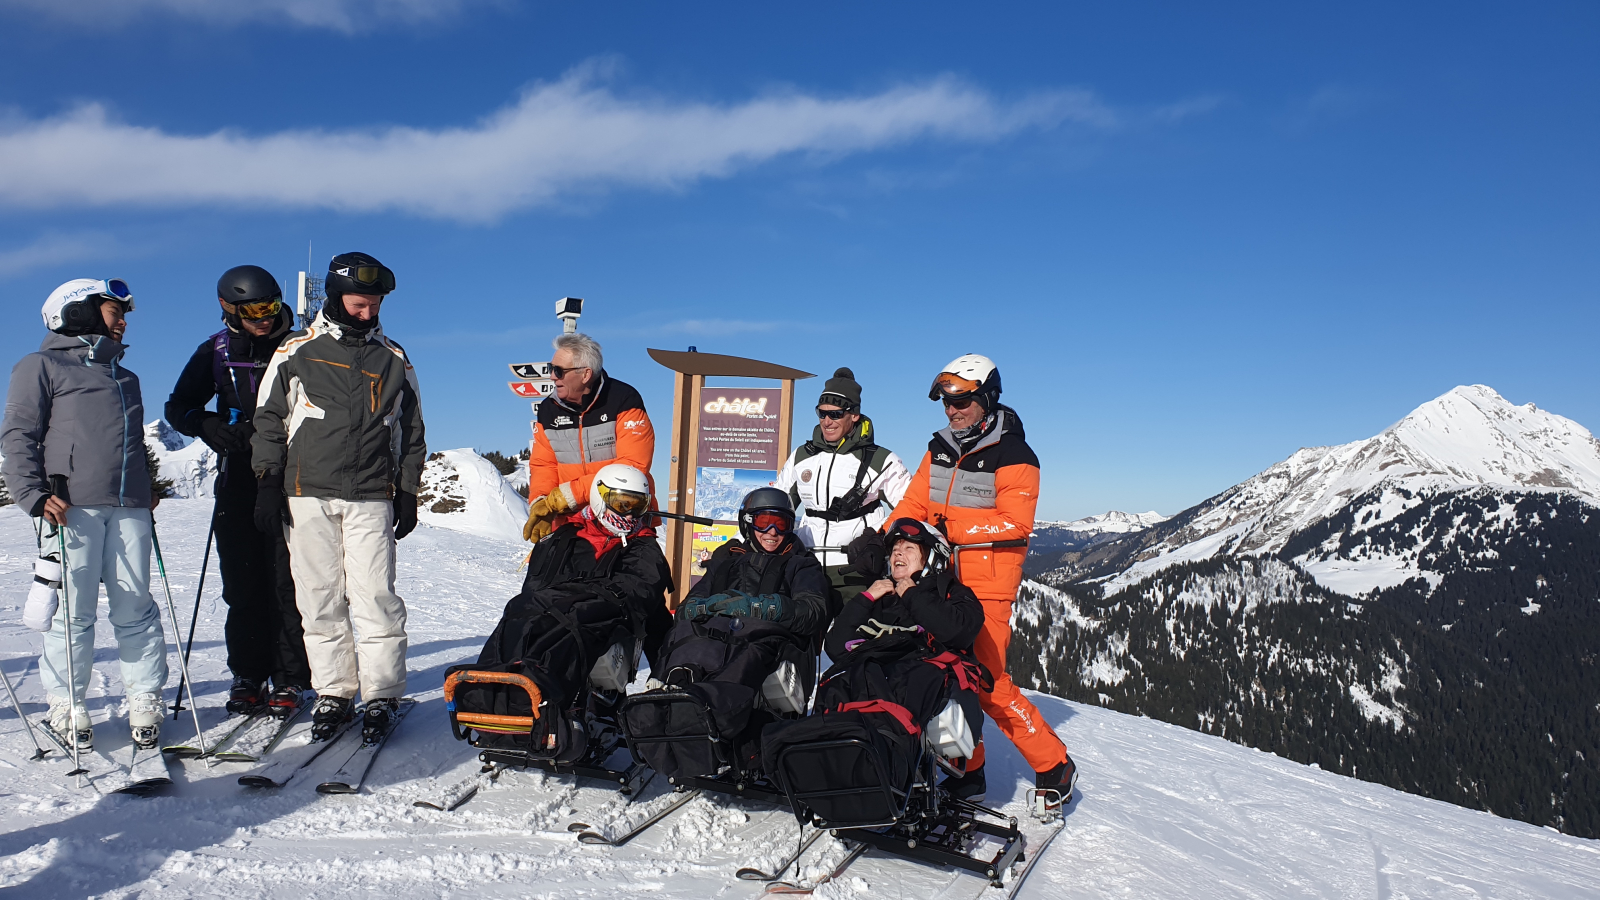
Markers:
(742, 649)
(920, 613)
(263, 631)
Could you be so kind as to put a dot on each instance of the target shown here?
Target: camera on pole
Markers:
(568, 309)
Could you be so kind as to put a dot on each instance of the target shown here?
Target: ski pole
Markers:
(72, 681)
(172, 612)
(38, 751)
(205, 562)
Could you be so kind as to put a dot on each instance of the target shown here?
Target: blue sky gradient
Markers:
(1194, 241)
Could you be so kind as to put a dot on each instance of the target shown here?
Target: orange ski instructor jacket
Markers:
(572, 443)
(987, 494)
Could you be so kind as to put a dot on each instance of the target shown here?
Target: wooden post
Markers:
(785, 421)
(689, 462)
(678, 532)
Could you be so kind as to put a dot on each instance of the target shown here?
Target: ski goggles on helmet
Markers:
(255, 309)
(771, 523)
(954, 390)
(626, 503)
(118, 290)
(378, 278)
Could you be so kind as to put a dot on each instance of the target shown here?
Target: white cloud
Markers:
(348, 16)
(55, 249)
(573, 135)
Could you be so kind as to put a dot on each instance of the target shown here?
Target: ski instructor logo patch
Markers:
(805, 476)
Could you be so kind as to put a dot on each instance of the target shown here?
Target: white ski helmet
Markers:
(968, 376)
(74, 307)
(619, 498)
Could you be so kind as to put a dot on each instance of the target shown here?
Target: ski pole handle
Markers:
(995, 545)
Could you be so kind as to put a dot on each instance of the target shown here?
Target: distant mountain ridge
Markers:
(1469, 437)
(1051, 540)
(1418, 608)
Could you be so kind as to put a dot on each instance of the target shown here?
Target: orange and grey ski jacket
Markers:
(986, 494)
(340, 415)
(571, 444)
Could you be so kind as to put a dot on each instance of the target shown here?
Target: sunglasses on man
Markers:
(834, 414)
(560, 372)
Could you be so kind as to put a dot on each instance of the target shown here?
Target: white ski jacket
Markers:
(818, 473)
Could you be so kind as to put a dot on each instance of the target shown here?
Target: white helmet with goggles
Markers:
(970, 376)
(74, 307)
(619, 499)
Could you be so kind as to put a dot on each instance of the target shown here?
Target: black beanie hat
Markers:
(842, 390)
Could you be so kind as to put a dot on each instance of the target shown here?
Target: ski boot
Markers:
(244, 697)
(285, 699)
(378, 718)
(328, 715)
(59, 723)
(970, 787)
(1052, 788)
(145, 712)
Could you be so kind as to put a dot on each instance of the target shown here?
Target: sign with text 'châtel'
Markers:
(739, 429)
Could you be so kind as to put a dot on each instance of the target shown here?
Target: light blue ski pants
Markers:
(109, 545)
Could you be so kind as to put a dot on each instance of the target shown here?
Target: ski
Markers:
(261, 739)
(793, 888)
(145, 769)
(217, 737)
(613, 804)
(594, 837)
(750, 873)
(456, 794)
(297, 751)
(1035, 839)
(354, 770)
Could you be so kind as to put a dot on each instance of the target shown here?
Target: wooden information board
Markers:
(726, 441)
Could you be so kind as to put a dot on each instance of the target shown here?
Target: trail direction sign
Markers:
(534, 371)
(533, 390)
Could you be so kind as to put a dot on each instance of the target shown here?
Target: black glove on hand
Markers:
(270, 503)
(405, 514)
(867, 555)
(225, 438)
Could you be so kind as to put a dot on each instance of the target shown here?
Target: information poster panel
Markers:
(739, 428)
(737, 453)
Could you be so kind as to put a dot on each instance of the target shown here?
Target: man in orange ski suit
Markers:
(979, 481)
(592, 421)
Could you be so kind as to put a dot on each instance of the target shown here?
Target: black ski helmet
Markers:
(354, 273)
(243, 285)
(935, 546)
(763, 500)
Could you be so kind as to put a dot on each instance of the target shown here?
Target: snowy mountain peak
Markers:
(1469, 437)
(161, 436)
(1113, 522)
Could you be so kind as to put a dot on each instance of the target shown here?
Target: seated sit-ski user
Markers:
(741, 653)
(550, 677)
(903, 682)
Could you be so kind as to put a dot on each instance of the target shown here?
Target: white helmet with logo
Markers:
(74, 307)
(968, 376)
(619, 499)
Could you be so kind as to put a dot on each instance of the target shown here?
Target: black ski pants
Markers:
(264, 635)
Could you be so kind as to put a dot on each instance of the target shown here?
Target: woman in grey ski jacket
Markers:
(73, 439)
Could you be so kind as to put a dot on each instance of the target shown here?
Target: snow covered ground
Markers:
(1163, 811)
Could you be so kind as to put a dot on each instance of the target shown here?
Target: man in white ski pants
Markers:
(338, 452)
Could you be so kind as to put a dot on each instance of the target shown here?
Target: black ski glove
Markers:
(225, 438)
(270, 504)
(405, 514)
(866, 554)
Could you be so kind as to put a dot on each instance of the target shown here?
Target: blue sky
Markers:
(1194, 242)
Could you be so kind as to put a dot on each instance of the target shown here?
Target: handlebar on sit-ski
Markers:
(682, 517)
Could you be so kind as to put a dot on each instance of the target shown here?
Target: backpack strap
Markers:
(898, 712)
(848, 505)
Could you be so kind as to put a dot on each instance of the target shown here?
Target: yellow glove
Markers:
(543, 511)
